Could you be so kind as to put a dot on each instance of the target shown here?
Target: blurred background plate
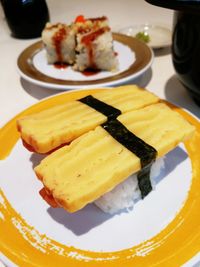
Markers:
(159, 36)
(134, 57)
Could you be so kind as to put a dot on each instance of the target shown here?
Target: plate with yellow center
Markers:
(162, 230)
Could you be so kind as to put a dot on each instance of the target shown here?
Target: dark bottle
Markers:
(186, 51)
(25, 18)
(185, 42)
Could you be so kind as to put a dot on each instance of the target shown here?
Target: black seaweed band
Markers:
(119, 132)
(145, 152)
(107, 110)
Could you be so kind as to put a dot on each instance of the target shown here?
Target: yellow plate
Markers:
(173, 246)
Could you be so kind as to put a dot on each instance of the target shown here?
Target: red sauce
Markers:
(80, 18)
(95, 23)
(27, 146)
(103, 18)
(90, 72)
(48, 198)
(32, 149)
(57, 40)
(88, 40)
(83, 30)
(60, 65)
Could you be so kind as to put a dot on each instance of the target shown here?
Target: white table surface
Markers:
(16, 94)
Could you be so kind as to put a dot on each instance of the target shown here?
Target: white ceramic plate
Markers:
(134, 59)
(160, 36)
(90, 228)
(155, 229)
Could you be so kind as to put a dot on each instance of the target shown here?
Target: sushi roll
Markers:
(94, 49)
(59, 42)
(47, 130)
(97, 166)
(85, 43)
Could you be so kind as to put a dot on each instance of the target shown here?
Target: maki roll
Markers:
(84, 44)
(59, 42)
(94, 49)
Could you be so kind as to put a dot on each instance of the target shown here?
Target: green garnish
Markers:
(143, 36)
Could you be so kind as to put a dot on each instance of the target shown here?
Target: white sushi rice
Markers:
(103, 53)
(124, 195)
(67, 44)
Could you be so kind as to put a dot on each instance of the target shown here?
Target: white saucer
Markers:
(160, 36)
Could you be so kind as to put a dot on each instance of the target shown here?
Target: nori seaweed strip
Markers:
(144, 181)
(145, 152)
(109, 111)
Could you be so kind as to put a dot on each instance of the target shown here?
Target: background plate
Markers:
(160, 36)
(162, 230)
(134, 57)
